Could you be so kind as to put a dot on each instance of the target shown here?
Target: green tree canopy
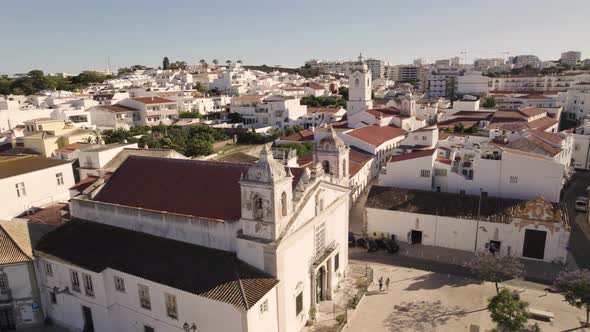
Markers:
(507, 310)
(575, 288)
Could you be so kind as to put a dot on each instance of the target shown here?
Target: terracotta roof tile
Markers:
(17, 165)
(547, 137)
(376, 135)
(191, 187)
(412, 155)
(10, 250)
(304, 135)
(117, 108)
(356, 160)
(153, 100)
(214, 274)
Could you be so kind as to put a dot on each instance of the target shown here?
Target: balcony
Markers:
(5, 296)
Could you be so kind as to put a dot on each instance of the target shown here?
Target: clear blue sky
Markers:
(74, 35)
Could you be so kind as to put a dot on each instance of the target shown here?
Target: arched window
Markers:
(284, 203)
(326, 166)
(258, 207)
(344, 168)
(356, 82)
(368, 83)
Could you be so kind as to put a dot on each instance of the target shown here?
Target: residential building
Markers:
(473, 83)
(234, 80)
(92, 159)
(275, 111)
(47, 135)
(443, 83)
(115, 117)
(376, 68)
(576, 101)
(520, 61)
(570, 58)
(28, 181)
(359, 88)
(533, 229)
(539, 83)
(275, 237)
(319, 116)
(488, 65)
(152, 110)
(20, 304)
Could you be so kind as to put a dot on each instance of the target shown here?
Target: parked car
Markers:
(391, 246)
(351, 240)
(371, 245)
(361, 242)
(582, 204)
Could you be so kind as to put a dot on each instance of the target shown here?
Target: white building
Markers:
(539, 83)
(576, 101)
(29, 181)
(115, 117)
(570, 58)
(153, 110)
(234, 80)
(359, 88)
(474, 83)
(265, 245)
(92, 159)
(19, 296)
(261, 111)
(532, 229)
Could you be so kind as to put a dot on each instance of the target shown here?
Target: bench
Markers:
(541, 313)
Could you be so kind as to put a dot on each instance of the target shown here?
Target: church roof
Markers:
(214, 274)
(191, 187)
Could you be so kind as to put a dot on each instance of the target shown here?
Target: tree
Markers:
(165, 63)
(228, 62)
(235, 118)
(197, 147)
(240, 61)
(507, 310)
(343, 91)
(489, 102)
(203, 62)
(575, 288)
(215, 62)
(495, 268)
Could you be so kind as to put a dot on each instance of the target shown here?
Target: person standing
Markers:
(381, 284)
(387, 284)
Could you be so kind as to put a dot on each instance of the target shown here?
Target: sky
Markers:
(75, 35)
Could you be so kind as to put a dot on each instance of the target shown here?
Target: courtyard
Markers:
(420, 300)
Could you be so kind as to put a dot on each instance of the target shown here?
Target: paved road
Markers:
(579, 242)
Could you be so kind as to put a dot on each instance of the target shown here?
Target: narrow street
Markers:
(580, 233)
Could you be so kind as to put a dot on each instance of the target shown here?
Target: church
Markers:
(170, 244)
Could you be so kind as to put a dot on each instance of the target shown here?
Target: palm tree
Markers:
(203, 62)
(215, 62)
(228, 62)
(240, 61)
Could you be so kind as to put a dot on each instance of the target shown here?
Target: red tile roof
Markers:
(356, 161)
(412, 155)
(191, 187)
(117, 108)
(532, 111)
(444, 160)
(376, 135)
(314, 86)
(547, 137)
(543, 123)
(304, 135)
(153, 100)
(386, 111)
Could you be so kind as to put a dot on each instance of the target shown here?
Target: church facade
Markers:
(359, 88)
(216, 245)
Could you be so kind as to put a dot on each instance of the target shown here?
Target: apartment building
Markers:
(153, 110)
(262, 111)
(570, 58)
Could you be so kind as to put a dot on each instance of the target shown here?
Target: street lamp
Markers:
(188, 327)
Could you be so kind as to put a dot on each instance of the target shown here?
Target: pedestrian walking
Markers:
(387, 284)
(380, 284)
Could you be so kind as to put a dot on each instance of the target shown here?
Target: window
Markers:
(440, 172)
(20, 189)
(514, 179)
(264, 306)
(171, 308)
(4, 288)
(258, 207)
(299, 303)
(88, 287)
(144, 297)
(336, 262)
(120, 284)
(320, 238)
(53, 297)
(148, 329)
(423, 138)
(344, 168)
(60, 178)
(284, 204)
(48, 269)
(461, 192)
(326, 165)
(356, 82)
(425, 173)
(75, 281)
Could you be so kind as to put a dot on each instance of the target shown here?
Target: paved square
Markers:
(424, 301)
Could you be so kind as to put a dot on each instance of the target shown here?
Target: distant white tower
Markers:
(359, 88)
